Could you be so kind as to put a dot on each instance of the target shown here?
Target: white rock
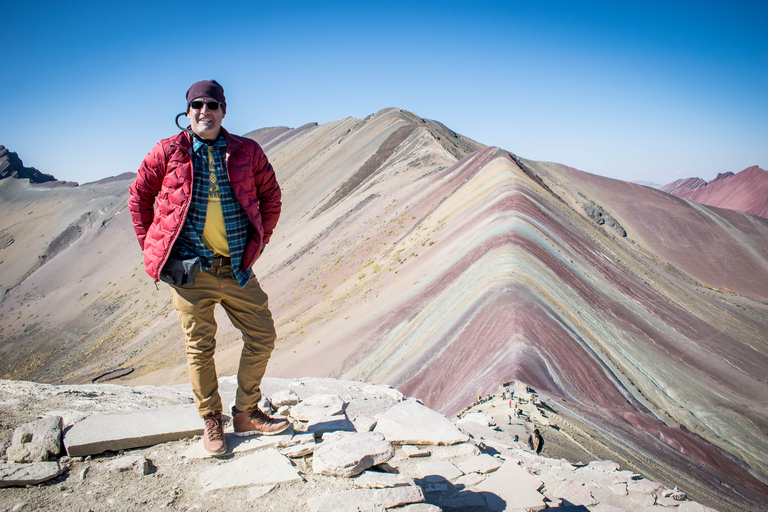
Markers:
(29, 474)
(364, 423)
(135, 463)
(336, 423)
(258, 491)
(643, 486)
(438, 471)
(68, 416)
(409, 422)
(261, 468)
(299, 450)
(478, 417)
(469, 480)
(284, 397)
(574, 492)
(415, 451)
(348, 454)
(45, 432)
(317, 407)
(378, 480)
(483, 463)
(457, 450)
(511, 484)
(366, 500)
(419, 507)
(27, 452)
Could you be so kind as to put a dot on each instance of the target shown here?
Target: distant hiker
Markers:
(204, 205)
(535, 441)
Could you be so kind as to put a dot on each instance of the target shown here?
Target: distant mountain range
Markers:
(11, 166)
(411, 256)
(746, 191)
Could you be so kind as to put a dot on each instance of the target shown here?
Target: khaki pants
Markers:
(248, 310)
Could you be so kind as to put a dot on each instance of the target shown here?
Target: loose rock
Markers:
(349, 454)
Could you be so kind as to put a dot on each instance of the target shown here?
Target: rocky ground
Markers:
(480, 466)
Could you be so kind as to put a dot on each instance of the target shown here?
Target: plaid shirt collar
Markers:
(197, 143)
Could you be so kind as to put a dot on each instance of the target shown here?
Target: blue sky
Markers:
(649, 90)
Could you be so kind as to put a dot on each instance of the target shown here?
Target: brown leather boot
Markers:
(214, 442)
(253, 421)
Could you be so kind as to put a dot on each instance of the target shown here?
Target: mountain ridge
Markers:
(441, 274)
(745, 191)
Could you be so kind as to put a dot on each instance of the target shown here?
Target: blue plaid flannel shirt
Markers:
(190, 241)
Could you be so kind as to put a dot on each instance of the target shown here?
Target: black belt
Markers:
(220, 261)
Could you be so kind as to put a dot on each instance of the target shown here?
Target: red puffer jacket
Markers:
(161, 194)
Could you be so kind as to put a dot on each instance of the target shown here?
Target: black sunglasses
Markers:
(197, 104)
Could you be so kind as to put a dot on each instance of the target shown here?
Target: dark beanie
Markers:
(210, 88)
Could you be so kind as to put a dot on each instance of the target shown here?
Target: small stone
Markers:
(364, 423)
(134, 463)
(299, 450)
(27, 452)
(415, 451)
(284, 397)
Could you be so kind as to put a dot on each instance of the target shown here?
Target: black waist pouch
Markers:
(180, 272)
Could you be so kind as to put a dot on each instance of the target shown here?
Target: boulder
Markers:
(45, 432)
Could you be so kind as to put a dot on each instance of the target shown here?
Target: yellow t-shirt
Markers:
(215, 231)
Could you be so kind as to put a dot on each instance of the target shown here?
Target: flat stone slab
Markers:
(265, 467)
(237, 444)
(349, 454)
(483, 463)
(366, 499)
(377, 480)
(438, 471)
(336, 423)
(124, 430)
(415, 451)
(28, 474)
(511, 487)
(409, 422)
(317, 407)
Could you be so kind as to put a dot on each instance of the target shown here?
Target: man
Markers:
(535, 441)
(204, 204)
